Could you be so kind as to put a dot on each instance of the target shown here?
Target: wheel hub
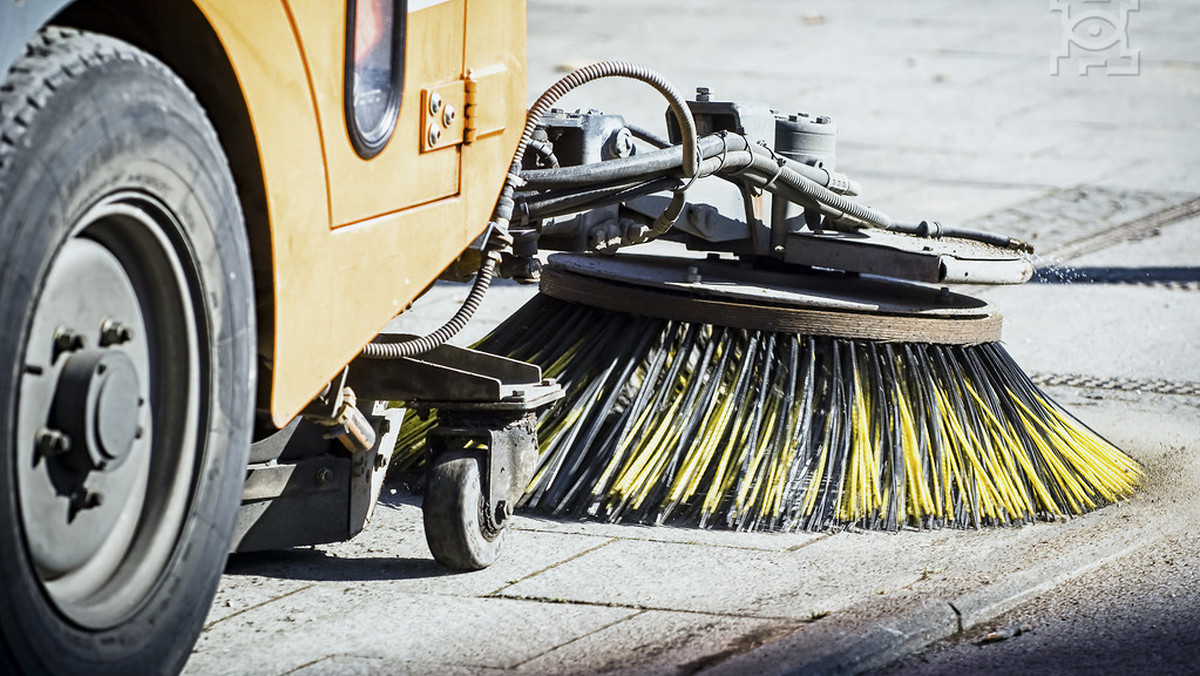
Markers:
(97, 406)
(107, 428)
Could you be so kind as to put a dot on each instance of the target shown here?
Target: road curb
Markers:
(841, 645)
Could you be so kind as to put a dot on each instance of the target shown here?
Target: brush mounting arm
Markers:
(591, 187)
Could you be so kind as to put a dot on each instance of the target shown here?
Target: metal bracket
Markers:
(937, 261)
(453, 378)
(508, 444)
(483, 401)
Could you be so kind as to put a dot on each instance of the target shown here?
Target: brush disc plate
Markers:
(726, 292)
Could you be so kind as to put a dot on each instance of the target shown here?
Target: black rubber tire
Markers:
(83, 117)
(452, 509)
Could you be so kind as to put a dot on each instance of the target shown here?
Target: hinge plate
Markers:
(442, 115)
(458, 112)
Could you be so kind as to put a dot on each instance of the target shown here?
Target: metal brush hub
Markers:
(730, 293)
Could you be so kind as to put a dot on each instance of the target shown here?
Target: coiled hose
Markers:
(502, 213)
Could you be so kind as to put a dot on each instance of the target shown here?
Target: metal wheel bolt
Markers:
(51, 443)
(66, 340)
(114, 333)
(84, 498)
(504, 510)
(324, 475)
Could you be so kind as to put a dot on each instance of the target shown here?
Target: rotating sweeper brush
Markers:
(808, 368)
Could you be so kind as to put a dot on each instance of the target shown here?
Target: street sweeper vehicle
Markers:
(209, 210)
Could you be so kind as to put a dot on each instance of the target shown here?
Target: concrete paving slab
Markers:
(951, 203)
(354, 665)
(747, 583)
(671, 534)
(1110, 330)
(659, 642)
(381, 621)
(1057, 219)
(392, 549)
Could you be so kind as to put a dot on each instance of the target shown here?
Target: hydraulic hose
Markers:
(647, 136)
(502, 213)
(935, 230)
(573, 202)
(658, 162)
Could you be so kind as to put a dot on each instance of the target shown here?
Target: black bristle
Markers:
(667, 421)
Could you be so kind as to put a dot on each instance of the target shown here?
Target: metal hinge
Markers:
(459, 112)
(470, 105)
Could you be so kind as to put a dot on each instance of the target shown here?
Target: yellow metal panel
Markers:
(335, 286)
(398, 177)
(495, 43)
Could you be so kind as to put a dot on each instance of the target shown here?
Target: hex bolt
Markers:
(434, 135)
(703, 94)
(66, 340)
(504, 510)
(448, 116)
(693, 274)
(823, 119)
(84, 498)
(114, 333)
(435, 103)
(380, 461)
(324, 475)
(51, 443)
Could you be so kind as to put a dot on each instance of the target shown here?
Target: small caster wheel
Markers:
(456, 526)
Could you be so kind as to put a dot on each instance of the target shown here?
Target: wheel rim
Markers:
(111, 405)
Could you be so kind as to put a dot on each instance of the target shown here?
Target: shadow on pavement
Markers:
(318, 566)
(1067, 274)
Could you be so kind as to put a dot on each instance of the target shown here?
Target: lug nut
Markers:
(448, 116)
(84, 498)
(51, 443)
(114, 333)
(66, 340)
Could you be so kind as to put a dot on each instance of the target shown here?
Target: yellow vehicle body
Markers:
(354, 240)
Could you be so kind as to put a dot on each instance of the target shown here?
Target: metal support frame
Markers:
(484, 402)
